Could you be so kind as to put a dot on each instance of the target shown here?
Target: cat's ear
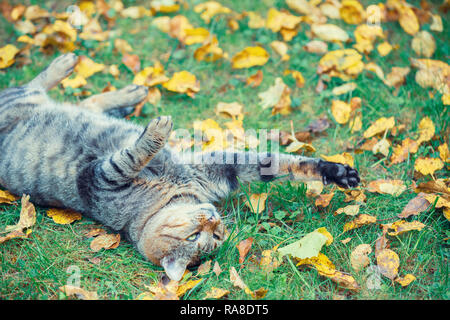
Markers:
(174, 268)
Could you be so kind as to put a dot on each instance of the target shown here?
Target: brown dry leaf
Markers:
(27, 216)
(351, 210)
(270, 259)
(329, 32)
(257, 202)
(132, 62)
(433, 186)
(352, 12)
(402, 226)
(323, 200)
(415, 206)
(105, 241)
(359, 258)
(216, 269)
(183, 82)
(15, 234)
(250, 57)
(216, 293)
(423, 44)
(361, 220)
(379, 126)
(343, 158)
(237, 281)
(255, 21)
(392, 187)
(396, 77)
(80, 293)
(355, 195)
(406, 280)
(63, 216)
(428, 165)
(7, 197)
(204, 268)
(7, 54)
(255, 79)
(188, 285)
(401, 152)
(388, 263)
(244, 247)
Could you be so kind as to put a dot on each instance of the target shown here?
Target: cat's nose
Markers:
(213, 217)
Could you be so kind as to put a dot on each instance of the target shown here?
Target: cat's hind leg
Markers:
(58, 70)
(124, 165)
(106, 102)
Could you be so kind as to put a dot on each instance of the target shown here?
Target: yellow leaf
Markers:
(352, 12)
(401, 152)
(183, 82)
(441, 201)
(361, 220)
(406, 280)
(344, 88)
(444, 153)
(87, 67)
(249, 57)
(392, 187)
(151, 76)
(74, 82)
(63, 216)
(396, 77)
(341, 111)
(7, 197)
(323, 200)
(27, 215)
(351, 210)
(402, 226)
(255, 21)
(196, 35)
(314, 188)
(80, 293)
(408, 20)
(182, 289)
(327, 234)
(382, 147)
(297, 146)
(122, 45)
(426, 130)
(209, 51)
(209, 9)
(355, 124)
(388, 263)
(428, 165)
(423, 44)
(216, 293)
(329, 32)
(344, 158)
(281, 48)
(257, 202)
(105, 241)
(344, 64)
(135, 12)
(233, 110)
(270, 260)
(379, 126)
(384, 48)
(7, 54)
(277, 20)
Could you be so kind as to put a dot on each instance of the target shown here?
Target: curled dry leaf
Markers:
(359, 258)
(255, 80)
(27, 216)
(204, 268)
(415, 206)
(401, 152)
(361, 220)
(63, 216)
(388, 263)
(105, 241)
(355, 195)
(244, 247)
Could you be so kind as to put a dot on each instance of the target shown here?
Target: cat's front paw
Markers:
(342, 175)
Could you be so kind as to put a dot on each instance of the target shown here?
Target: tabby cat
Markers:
(125, 176)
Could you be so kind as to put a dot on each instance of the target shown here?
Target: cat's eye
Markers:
(193, 237)
(215, 236)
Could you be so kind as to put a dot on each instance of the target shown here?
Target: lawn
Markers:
(37, 266)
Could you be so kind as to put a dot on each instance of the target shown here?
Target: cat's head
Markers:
(178, 235)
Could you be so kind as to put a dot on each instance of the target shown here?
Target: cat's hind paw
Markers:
(342, 175)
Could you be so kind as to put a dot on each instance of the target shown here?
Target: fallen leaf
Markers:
(74, 82)
(216, 269)
(392, 187)
(204, 268)
(151, 76)
(188, 285)
(359, 258)
(345, 64)
(105, 241)
(281, 48)
(270, 260)
(209, 9)
(63, 216)
(80, 293)
(428, 165)
(379, 126)
(278, 20)
(361, 220)
(351, 210)
(323, 200)
(388, 263)
(382, 146)
(27, 215)
(441, 201)
(7, 197)
(132, 62)
(343, 158)
(250, 57)
(402, 226)
(233, 110)
(406, 280)
(257, 202)
(384, 48)
(355, 195)
(414, 206)
(216, 293)
(183, 82)
(444, 153)
(423, 44)
(7, 54)
(396, 77)
(352, 12)
(426, 130)
(244, 247)
(307, 247)
(408, 19)
(343, 89)
(255, 80)
(316, 46)
(314, 188)
(401, 152)
(329, 32)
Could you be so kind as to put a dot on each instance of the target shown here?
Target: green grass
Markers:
(36, 267)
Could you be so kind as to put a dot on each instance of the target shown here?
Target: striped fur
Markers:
(124, 175)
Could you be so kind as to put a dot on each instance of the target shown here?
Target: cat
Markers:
(125, 176)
